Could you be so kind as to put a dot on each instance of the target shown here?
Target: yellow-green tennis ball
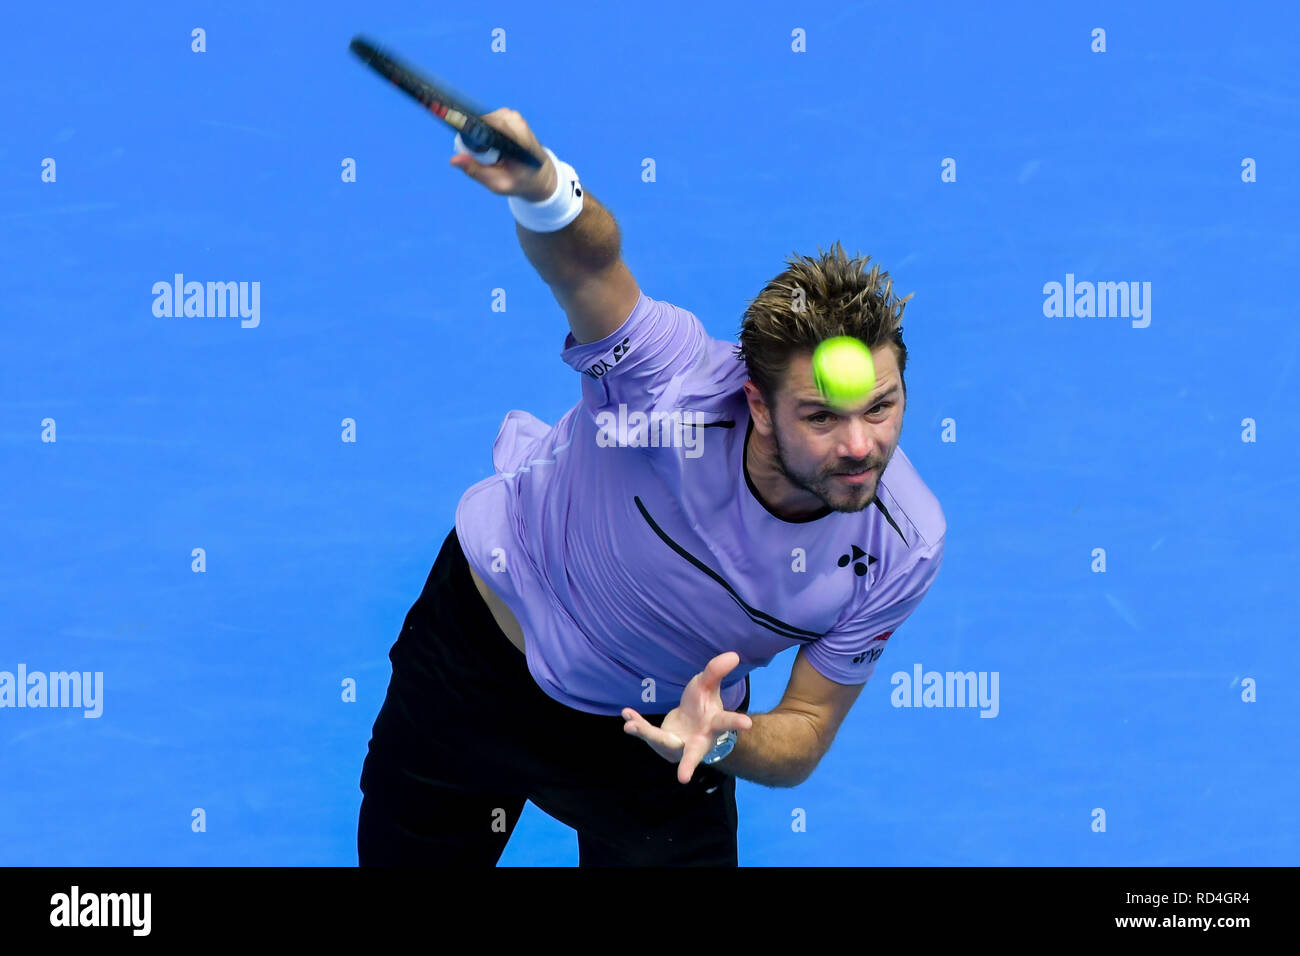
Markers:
(843, 370)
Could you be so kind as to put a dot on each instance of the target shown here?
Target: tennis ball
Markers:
(843, 370)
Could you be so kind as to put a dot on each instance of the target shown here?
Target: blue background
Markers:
(1119, 690)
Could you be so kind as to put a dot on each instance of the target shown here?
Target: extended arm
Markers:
(580, 262)
(777, 749)
(780, 750)
(784, 746)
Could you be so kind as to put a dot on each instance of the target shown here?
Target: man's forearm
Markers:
(586, 245)
(780, 750)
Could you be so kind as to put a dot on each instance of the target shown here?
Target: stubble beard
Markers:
(851, 501)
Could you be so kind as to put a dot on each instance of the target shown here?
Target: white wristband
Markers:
(557, 210)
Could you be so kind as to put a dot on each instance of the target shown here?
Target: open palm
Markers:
(689, 731)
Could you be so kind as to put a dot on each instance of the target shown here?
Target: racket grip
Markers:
(487, 157)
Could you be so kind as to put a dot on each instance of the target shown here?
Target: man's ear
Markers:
(759, 410)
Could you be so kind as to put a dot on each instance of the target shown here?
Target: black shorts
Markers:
(465, 736)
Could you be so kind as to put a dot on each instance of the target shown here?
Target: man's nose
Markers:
(857, 440)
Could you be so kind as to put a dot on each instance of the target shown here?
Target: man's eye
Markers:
(822, 417)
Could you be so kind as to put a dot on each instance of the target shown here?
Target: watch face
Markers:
(721, 747)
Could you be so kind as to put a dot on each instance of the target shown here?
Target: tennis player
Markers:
(585, 636)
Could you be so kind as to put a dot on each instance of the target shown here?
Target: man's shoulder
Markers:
(908, 505)
(717, 376)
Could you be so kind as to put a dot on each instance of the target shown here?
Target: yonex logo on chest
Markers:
(858, 567)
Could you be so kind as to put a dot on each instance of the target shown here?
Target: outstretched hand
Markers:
(689, 730)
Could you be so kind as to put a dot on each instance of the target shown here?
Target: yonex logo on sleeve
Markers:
(609, 359)
(872, 654)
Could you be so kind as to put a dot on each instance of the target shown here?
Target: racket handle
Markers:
(487, 158)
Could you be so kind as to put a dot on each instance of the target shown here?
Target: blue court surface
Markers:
(1146, 713)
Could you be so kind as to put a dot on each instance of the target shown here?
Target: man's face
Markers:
(835, 455)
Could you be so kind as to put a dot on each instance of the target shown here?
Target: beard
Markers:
(845, 498)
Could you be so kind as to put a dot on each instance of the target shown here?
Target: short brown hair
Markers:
(838, 298)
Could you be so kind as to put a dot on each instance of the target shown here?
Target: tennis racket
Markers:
(444, 103)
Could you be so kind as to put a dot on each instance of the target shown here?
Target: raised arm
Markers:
(580, 262)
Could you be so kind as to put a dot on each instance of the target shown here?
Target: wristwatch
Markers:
(721, 747)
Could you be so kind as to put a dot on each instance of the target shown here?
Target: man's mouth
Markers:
(856, 477)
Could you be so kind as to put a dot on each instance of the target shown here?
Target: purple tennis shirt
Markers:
(630, 544)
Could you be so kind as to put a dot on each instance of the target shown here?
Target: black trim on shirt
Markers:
(888, 517)
(758, 617)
